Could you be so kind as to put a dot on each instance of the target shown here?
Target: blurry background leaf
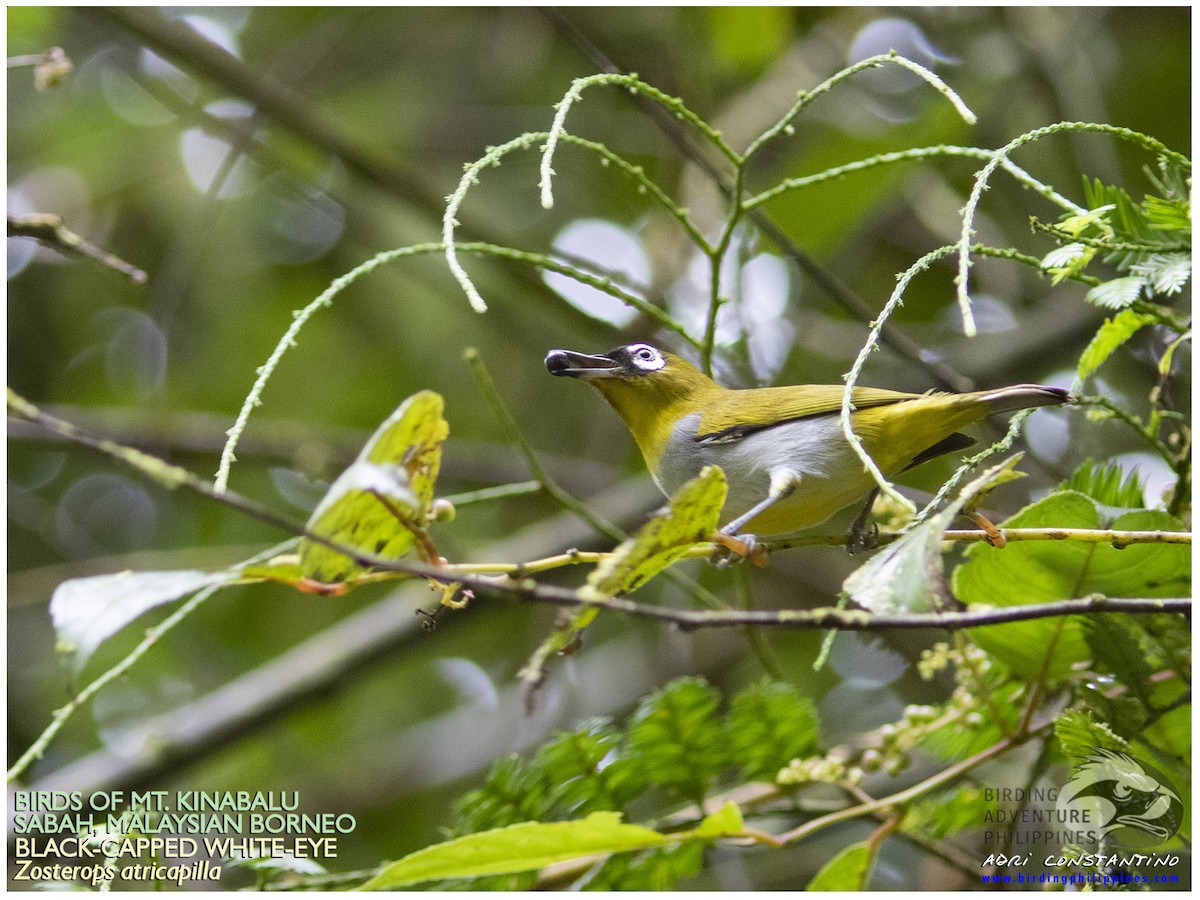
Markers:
(87, 611)
(769, 725)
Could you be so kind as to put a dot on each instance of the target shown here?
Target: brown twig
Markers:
(49, 229)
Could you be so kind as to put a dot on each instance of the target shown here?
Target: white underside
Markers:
(812, 450)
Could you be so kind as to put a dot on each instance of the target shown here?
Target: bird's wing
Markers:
(739, 413)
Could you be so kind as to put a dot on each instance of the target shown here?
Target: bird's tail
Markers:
(1023, 396)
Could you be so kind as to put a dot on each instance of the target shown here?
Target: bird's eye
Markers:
(644, 357)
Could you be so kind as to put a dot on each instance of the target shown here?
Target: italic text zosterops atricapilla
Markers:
(787, 463)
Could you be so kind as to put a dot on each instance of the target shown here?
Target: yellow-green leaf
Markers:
(517, 848)
(689, 519)
(848, 871)
(725, 822)
(381, 503)
(1111, 335)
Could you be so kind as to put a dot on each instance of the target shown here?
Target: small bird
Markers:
(788, 465)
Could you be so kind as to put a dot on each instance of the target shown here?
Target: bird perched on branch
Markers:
(787, 462)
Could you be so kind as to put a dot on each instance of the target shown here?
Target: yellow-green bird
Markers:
(788, 465)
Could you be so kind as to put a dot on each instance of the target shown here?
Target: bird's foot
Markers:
(863, 536)
(735, 548)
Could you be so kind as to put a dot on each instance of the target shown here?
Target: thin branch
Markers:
(904, 797)
(1118, 538)
(844, 619)
(969, 464)
(63, 713)
(1110, 246)
(49, 229)
(1117, 412)
(633, 84)
(301, 316)
(175, 477)
(784, 125)
(896, 300)
(861, 165)
(526, 141)
(178, 42)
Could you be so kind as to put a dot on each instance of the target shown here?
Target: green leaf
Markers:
(689, 519)
(906, 575)
(1118, 293)
(850, 870)
(676, 738)
(517, 848)
(1117, 650)
(1169, 215)
(514, 791)
(1079, 735)
(769, 725)
(650, 870)
(587, 770)
(88, 611)
(661, 868)
(1045, 571)
(1111, 335)
(1107, 484)
(725, 822)
(939, 816)
(381, 503)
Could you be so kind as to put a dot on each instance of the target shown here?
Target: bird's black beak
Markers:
(581, 365)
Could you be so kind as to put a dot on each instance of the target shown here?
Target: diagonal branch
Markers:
(176, 41)
(50, 230)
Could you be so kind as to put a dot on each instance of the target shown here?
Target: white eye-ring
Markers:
(646, 357)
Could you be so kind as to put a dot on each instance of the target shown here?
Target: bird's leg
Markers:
(864, 534)
(746, 545)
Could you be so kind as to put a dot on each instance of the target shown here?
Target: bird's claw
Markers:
(863, 536)
(735, 548)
